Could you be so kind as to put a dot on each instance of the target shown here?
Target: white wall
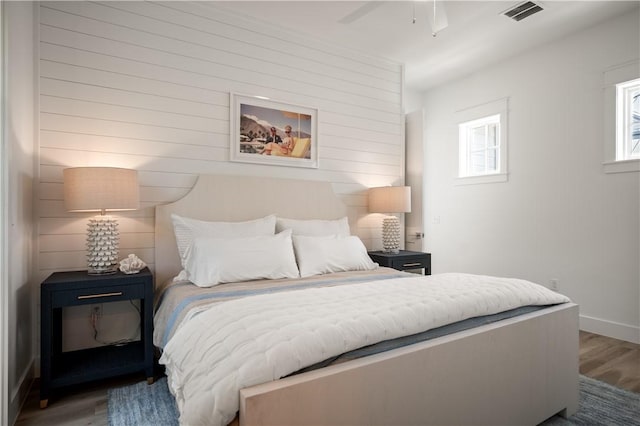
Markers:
(19, 139)
(558, 216)
(146, 86)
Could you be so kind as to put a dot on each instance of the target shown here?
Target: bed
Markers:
(517, 370)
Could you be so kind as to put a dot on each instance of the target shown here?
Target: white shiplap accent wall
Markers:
(146, 86)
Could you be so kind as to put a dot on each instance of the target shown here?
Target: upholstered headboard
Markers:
(240, 198)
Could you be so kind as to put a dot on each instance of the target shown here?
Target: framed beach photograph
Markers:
(265, 131)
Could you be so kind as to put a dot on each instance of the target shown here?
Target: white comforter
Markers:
(257, 339)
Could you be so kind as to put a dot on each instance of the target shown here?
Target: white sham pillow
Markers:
(212, 261)
(314, 227)
(186, 229)
(333, 253)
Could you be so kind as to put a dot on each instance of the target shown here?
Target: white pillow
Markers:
(186, 229)
(212, 261)
(332, 253)
(315, 226)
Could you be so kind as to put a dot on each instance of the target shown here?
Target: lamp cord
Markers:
(94, 321)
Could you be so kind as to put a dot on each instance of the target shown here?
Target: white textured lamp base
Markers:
(102, 245)
(391, 234)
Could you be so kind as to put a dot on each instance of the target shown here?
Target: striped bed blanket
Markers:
(180, 300)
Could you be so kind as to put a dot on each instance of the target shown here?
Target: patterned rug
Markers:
(600, 405)
(142, 404)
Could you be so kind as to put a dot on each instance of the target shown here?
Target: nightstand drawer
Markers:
(85, 296)
(409, 264)
(403, 260)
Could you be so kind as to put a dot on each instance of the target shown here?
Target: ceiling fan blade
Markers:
(440, 21)
(361, 11)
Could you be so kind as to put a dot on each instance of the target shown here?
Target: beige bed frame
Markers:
(517, 371)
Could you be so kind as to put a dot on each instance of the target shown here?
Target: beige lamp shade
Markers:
(390, 199)
(100, 189)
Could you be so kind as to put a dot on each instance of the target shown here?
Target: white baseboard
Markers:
(20, 392)
(612, 329)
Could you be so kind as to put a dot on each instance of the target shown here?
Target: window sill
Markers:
(474, 180)
(623, 166)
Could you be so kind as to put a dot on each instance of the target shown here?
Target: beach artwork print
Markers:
(269, 132)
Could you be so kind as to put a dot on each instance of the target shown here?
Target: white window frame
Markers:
(466, 130)
(473, 117)
(624, 120)
(613, 147)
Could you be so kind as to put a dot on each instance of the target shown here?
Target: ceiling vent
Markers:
(522, 10)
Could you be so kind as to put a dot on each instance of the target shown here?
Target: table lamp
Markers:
(390, 199)
(101, 189)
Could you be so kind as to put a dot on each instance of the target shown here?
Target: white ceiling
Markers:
(477, 34)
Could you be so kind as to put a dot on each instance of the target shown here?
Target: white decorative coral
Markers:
(132, 264)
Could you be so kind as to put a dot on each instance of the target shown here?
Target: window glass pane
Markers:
(635, 124)
(477, 163)
(478, 138)
(492, 160)
(493, 134)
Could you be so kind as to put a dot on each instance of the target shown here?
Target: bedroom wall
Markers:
(146, 85)
(559, 216)
(19, 131)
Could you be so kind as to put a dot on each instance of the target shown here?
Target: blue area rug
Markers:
(142, 404)
(600, 405)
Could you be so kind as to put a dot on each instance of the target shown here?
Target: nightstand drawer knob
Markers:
(96, 296)
(408, 265)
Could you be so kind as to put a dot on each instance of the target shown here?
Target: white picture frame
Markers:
(253, 139)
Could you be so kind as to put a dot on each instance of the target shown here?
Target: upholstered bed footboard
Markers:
(520, 370)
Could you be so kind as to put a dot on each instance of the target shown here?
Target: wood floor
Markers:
(609, 360)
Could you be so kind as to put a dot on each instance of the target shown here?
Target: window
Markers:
(622, 118)
(628, 120)
(480, 147)
(482, 143)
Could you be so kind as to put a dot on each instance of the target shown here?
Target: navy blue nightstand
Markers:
(62, 289)
(403, 260)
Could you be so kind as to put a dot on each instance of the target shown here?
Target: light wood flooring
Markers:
(609, 360)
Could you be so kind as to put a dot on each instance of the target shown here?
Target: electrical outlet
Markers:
(554, 284)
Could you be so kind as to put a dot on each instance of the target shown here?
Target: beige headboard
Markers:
(239, 198)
